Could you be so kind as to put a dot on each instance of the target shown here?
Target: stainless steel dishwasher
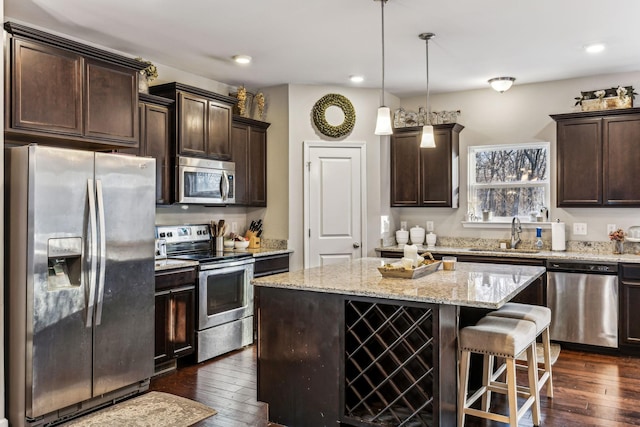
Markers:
(583, 298)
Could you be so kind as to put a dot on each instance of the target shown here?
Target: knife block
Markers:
(254, 241)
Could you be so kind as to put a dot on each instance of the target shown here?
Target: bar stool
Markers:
(541, 316)
(506, 338)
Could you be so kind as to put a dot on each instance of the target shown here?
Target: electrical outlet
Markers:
(580, 228)
(429, 225)
(611, 228)
(234, 227)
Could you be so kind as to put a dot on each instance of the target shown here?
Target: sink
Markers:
(506, 251)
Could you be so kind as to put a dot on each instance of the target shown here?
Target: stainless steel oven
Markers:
(225, 306)
(204, 181)
(225, 294)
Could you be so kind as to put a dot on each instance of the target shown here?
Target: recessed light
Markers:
(594, 48)
(356, 79)
(242, 59)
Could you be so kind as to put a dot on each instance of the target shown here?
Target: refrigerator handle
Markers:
(103, 251)
(224, 186)
(93, 252)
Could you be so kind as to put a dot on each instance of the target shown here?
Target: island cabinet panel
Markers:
(201, 120)
(629, 328)
(271, 264)
(597, 158)
(249, 153)
(325, 359)
(61, 92)
(425, 177)
(299, 356)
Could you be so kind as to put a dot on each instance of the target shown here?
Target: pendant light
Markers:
(427, 141)
(383, 122)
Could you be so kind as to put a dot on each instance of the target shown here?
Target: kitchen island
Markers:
(341, 343)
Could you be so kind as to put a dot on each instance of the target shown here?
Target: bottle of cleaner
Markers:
(539, 243)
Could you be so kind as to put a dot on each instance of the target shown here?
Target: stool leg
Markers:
(532, 363)
(487, 373)
(463, 386)
(512, 394)
(546, 343)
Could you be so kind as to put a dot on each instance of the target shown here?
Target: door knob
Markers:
(356, 245)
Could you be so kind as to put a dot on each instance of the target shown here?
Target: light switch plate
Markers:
(429, 225)
(234, 227)
(580, 228)
(611, 228)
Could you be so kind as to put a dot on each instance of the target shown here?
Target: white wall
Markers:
(519, 115)
(365, 102)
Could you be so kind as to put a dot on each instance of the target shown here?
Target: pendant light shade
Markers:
(427, 141)
(383, 122)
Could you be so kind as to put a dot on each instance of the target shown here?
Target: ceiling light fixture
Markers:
(594, 48)
(356, 79)
(427, 140)
(242, 59)
(501, 84)
(383, 122)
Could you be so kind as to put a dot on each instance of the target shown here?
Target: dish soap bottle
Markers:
(538, 243)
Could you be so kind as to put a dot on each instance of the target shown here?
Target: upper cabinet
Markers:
(202, 120)
(249, 153)
(425, 177)
(65, 93)
(598, 159)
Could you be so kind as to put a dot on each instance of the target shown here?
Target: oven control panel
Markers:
(183, 233)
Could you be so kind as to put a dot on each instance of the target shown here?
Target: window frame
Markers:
(472, 186)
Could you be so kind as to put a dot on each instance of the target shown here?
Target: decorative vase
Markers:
(618, 246)
(143, 83)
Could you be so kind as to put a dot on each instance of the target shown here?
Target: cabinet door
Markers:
(629, 316)
(436, 175)
(580, 162)
(240, 156)
(219, 141)
(621, 139)
(155, 138)
(405, 169)
(162, 351)
(111, 103)
(192, 123)
(182, 334)
(257, 167)
(46, 89)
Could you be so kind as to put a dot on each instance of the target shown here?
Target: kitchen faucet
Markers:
(516, 229)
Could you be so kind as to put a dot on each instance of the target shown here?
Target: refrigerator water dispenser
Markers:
(64, 262)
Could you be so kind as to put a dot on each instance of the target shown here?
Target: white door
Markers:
(334, 202)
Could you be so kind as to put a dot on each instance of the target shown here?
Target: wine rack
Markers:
(389, 370)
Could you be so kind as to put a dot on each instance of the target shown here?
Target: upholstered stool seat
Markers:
(507, 338)
(541, 316)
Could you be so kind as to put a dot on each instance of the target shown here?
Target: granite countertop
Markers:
(471, 284)
(168, 264)
(260, 252)
(521, 253)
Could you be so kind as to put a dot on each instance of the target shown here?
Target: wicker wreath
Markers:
(320, 109)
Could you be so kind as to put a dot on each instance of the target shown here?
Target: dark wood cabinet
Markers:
(425, 177)
(201, 124)
(598, 158)
(155, 126)
(629, 301)
(65, 93)
(175, 315)
(271, 264)
(249, 153)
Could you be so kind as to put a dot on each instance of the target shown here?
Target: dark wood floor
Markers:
(590, 391)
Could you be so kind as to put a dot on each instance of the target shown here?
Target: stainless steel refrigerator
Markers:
(80, 280)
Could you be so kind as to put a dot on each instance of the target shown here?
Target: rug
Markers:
(153, 409)
(554, 350)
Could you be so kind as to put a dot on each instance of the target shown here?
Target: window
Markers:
(509, 180)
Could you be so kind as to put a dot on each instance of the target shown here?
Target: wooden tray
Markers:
(401, 273)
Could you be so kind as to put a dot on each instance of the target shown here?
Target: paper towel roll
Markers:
(558, 242)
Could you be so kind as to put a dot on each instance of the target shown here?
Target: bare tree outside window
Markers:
(510, 180)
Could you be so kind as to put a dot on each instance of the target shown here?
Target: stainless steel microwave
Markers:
(205, 181)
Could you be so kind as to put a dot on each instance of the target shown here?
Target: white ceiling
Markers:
(323, 42)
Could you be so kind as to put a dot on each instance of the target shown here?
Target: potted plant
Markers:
(147, 75)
